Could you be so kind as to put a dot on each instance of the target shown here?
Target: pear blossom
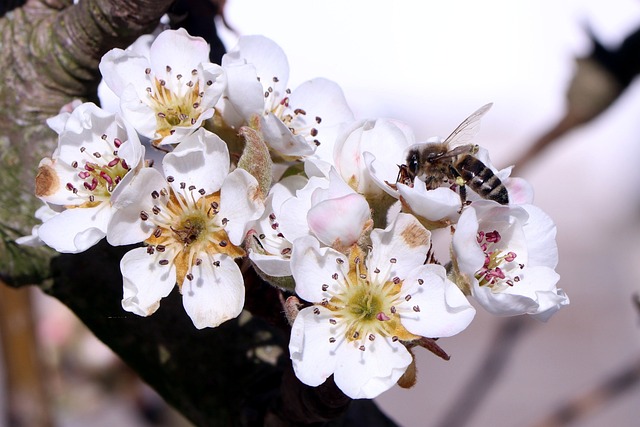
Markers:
(97, 153)
(269, 249)
(169, 91)
(324, 207)
(367, 154)
(506, 258)
(440, 204)
(366, 305)
(295, 122)
(193, 221)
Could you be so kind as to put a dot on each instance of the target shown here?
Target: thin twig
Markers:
(606, 392)
(487, 374)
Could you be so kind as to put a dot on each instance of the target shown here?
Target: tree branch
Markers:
(49, 56)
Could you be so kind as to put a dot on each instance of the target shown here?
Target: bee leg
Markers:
(462, 189)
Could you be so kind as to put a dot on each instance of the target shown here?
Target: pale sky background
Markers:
(430, 64)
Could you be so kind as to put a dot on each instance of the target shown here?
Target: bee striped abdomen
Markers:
(482, 180)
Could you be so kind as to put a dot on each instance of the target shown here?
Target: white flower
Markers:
(169, 93)
(192, 220)
(270, 250)
(368, 153)
(96, 153)
(324, 207)
(294, 122)
(508, 255)
(366, 305)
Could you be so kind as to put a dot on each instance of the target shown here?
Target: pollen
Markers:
(496, 272)
(364, 304)
(188, 228)
(176, 102)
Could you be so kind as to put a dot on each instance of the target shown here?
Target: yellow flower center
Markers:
(366, 305)
(186, 228)
(177, 103)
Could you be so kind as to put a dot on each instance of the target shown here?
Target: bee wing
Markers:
(467, 129)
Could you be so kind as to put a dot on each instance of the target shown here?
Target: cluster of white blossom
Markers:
(289, 181)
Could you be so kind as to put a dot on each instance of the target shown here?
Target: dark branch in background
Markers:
(8, 5)
(238, 374)
(196, 17)
(607, 391)
(487, 374)
(598, 82)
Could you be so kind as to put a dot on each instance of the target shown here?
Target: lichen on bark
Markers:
(49, 56)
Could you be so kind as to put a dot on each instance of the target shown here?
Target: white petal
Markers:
(322, 98)
(467, 251)
(501, 303)
(240, 203)
(179, 50)
(201, 159)
(57, 193)
(520, 191)
(56, 123)
(76, 230)
(284, 189)
(268, 59)
(366, 374)
(126, 226)
(244, 96)
(279, 137)
(326, 111)
(312, 267)
(139, 113)
(434, 205)
(550, 302)
(400, 248)
(293, 213)
(540, 233)
(339, 221)
(337, 188)
(216, 293)
(120, 68)
(146, 282)
(271, 265)
(443, 309)
(312, 355)
(212, 93)
(383, 140)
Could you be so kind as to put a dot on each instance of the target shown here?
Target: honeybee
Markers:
(453, 161)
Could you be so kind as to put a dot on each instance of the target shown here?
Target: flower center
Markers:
(100, 172)
(498, 268)
(295, 119)
(273, 242)
(177, 102)
(363, 306)
(187, 227)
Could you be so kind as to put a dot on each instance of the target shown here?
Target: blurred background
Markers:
(430, 64)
